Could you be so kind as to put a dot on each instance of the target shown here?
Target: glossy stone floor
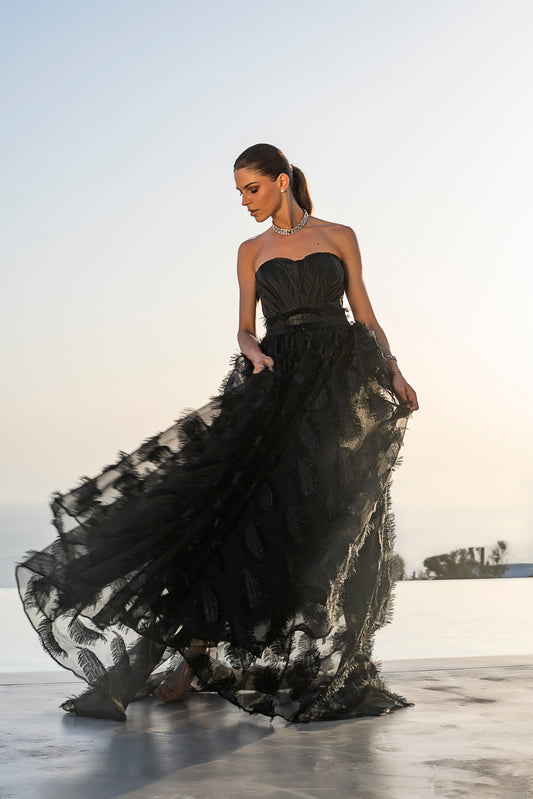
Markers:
(470, 734)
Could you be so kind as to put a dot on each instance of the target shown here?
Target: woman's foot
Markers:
(177, 683)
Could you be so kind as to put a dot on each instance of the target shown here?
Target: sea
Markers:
(430, 618)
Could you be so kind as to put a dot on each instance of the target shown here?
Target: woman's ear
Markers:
(283, 182)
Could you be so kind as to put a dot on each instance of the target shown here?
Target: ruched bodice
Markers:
(283, 283)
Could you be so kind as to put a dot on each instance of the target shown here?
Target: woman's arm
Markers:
(246, 336)
(362, 310)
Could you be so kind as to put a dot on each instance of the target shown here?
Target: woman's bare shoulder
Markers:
(248, 254)
(249, 248)
(341, 237)
(335, 228)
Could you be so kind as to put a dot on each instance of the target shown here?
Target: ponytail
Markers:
(300, 189)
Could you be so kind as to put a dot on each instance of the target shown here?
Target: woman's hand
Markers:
(263, 362)
(403, 391)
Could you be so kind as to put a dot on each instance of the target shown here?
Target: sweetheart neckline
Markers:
(296, 260)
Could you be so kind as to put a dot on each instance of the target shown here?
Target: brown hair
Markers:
(270, 161)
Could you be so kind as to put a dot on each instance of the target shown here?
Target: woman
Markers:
(250, 544)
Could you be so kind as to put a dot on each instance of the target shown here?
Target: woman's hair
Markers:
(270, 161)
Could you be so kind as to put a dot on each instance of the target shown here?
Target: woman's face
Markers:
(260, 194)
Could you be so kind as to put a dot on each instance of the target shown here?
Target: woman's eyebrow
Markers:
(247, 185)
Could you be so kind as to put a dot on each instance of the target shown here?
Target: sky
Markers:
(413, 123)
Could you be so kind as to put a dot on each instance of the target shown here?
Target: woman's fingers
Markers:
(404, 392)
(411, 398)
(264, 362)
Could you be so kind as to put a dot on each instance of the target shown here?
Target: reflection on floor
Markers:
(469, 734)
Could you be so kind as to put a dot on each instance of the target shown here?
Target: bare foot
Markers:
(175, 686)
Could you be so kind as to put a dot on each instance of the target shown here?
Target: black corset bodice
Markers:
(283, 284)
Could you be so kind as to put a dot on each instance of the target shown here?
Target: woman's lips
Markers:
(253, 213)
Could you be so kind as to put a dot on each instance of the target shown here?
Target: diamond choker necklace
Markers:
(290, 231)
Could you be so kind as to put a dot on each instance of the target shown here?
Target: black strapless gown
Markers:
(259, 523)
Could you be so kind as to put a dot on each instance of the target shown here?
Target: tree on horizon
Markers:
(462, 564)
(398, 566)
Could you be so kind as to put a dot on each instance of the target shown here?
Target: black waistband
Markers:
(327, 313)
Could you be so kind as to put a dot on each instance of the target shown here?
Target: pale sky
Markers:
(413, 123)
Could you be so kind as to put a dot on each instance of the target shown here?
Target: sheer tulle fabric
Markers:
(259, 523)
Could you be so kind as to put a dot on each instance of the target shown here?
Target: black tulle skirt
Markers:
(259, 524)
